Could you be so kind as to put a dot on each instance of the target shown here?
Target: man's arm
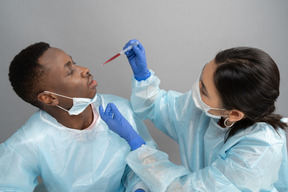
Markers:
(16, 174)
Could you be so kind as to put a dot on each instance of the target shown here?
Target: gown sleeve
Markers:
(250, 165)
(164, 109)
(130, 180)
(17, 173)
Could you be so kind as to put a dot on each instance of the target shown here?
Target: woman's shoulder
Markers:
(263, 133)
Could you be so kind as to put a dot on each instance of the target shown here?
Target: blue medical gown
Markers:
(69, 159)
(252, 160)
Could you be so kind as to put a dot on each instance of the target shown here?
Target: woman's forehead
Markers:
(207, 76)
(209, 69)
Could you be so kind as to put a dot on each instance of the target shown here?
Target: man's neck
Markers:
(81, 121)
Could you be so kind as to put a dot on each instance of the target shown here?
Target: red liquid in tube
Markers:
(112, 58)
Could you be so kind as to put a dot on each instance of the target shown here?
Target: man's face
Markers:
(66, 78)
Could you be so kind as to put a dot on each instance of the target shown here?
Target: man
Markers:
(65, 142)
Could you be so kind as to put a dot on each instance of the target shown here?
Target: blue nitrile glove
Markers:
(137, 59)
(139, 190)
(117, 123)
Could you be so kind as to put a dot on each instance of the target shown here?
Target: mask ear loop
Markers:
(60, 96)
(225, 123)
(62, 108)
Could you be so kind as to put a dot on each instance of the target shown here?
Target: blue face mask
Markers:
(79, 104)
(200, 104)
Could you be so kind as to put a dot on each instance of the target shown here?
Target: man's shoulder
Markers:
(32, 126)
(35, 119)
(28, 132)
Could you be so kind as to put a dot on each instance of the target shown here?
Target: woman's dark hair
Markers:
(26, 74)
(248, 80)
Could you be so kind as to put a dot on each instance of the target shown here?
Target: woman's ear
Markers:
(48, 99)
(235, 115)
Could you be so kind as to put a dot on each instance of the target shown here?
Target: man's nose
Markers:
(84, 71)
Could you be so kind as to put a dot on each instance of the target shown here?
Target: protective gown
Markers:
(69, 159)
(252, 160)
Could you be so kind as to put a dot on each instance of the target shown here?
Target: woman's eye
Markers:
(203, 92)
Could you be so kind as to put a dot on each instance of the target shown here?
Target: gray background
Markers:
(179, 36)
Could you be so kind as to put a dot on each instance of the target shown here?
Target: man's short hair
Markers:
(26, 74)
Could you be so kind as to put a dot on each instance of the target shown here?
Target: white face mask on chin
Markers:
(200, 104)
(79, 104)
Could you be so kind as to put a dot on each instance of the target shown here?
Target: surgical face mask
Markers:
(79, 104)
(200, 104)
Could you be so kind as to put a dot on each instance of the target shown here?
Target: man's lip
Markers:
(90, 80)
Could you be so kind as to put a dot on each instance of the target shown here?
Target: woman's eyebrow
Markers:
(202, 83)
(204, 87)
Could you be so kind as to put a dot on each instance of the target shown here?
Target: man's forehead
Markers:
(52, 56)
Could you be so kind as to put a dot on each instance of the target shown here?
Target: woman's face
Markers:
(209, 94)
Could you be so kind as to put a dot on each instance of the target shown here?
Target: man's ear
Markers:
(48, 99)
(235, 115)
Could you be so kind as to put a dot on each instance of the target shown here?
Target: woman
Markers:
(229, 137)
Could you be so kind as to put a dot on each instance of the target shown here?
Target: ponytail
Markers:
(248, 80)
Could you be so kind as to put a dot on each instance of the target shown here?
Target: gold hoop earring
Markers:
(225, 123)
